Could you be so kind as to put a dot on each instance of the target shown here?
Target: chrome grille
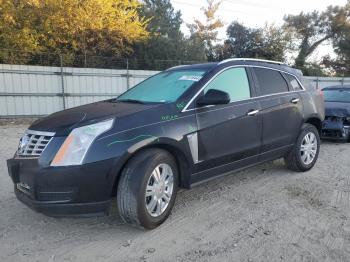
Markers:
(33, 143)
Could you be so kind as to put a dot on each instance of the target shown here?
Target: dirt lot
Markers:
(263, 214)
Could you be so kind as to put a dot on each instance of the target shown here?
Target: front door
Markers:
(231, 133)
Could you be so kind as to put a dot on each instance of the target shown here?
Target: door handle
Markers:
(252, 112)
(295, 100)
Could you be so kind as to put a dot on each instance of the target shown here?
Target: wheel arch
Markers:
(182, 162)
(315, 121)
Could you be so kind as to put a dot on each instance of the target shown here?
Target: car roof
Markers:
(241, 61)
(338, 87)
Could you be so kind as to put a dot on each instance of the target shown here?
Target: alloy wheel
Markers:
(308, 148)
(159, 190)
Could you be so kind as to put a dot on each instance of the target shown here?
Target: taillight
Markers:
(320, 93)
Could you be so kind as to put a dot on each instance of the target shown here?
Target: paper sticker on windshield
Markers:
(190, 78)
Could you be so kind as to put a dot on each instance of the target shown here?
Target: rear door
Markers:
(281, 110)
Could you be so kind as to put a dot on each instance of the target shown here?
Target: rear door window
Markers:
(233, 81)
(270, 81)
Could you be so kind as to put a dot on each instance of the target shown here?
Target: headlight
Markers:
(74, 148)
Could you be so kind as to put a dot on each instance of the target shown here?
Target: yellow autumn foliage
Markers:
(71, 26)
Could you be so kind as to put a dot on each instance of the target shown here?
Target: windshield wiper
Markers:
(134, 101)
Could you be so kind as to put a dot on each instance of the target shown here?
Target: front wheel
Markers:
(147, 188)
(305, 152)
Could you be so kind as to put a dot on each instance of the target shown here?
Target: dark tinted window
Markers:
(293, 82)
(270, 81)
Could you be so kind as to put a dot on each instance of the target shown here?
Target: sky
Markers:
(255, 13)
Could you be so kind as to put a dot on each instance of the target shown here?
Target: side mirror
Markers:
(214, 97)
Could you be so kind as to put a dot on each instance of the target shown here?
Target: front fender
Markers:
(169, 135)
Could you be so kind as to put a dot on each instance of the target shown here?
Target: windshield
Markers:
(164, 87)
(337, 95)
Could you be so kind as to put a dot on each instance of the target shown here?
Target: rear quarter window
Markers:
(293, 82)
(270, 81)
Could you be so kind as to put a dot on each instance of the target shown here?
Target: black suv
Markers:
(179, 128)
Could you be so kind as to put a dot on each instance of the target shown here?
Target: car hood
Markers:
(337, 109)
(64, 121)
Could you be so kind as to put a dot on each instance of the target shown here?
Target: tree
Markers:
(165, 42)
(163, 19)
(208, 32)
(310, 30)
(167, 46)
(104, 27)
(194, 49)
(341, 43)
(269, 42)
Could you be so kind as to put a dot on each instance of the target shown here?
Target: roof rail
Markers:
(178, 66)
(251, 59)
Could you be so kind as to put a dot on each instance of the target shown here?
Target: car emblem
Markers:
(23, 144)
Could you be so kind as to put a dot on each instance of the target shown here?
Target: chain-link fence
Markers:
(18, 57)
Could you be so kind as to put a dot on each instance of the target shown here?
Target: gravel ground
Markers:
(265, 213)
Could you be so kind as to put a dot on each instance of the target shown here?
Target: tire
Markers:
(295, 159)
(137, 176)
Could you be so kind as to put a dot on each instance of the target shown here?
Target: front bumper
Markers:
(335, 130)
(63, 191)
(64, 210)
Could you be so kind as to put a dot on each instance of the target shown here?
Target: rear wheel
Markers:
(305, 152)
(147, 188)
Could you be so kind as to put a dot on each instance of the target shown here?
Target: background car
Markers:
(337, 108)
